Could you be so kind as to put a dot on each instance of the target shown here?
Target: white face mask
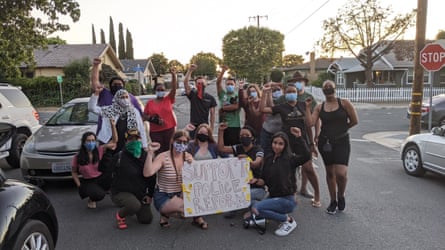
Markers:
(124, 103)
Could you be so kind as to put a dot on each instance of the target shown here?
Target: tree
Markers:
(175, 63)
(21, 32)
(112, 38)
(121, 51)
(159, 62)
(251, 52)
(55, 40)
(206, 62)
(93, 33)
(366, 30)
(292, 60)
(129, 51)
(102, 36)
(440, 35)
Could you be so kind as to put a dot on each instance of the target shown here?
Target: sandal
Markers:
(164, 221)
(200, 222)
(316, 204)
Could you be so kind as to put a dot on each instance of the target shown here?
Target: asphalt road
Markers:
(386, 208)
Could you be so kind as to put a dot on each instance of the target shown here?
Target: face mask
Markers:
(160, 94)
(90, 146)
(179, 147)
(328, 91)
(299, 85)
(276, 94)
(254, 94)
(246, 141)
(202, 137)
(134, 148)
(114, 89)
(230, 88)
(291, 97)
(124, 103)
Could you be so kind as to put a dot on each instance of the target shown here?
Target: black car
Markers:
(437, 110)
(28, 220)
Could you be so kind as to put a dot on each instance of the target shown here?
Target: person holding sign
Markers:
(168, 165)
(278, 174)
(247, 149)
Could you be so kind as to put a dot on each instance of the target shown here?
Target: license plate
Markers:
(61, 167)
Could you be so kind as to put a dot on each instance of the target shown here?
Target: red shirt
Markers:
(164, 109)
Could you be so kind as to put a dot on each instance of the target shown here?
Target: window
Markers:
(16, 97)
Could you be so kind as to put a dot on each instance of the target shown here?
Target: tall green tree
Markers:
(129, 51)
(251, 52)
(21, 32)
(121, 50)
(178, 65)
(160, 63)
(112, 39)
(102, 36)
(93, 33)
(365, 29)
(206, 62)
(440, 35)
(292, 60)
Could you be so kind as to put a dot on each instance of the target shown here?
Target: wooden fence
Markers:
(375, 95)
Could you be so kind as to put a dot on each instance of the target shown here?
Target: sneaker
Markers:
(120, 222)
(341, 203)
(286, 228)
(91, 204)
(332, 208)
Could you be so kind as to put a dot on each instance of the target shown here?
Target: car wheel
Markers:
(18, 141)
(412, 162)
(34, 235)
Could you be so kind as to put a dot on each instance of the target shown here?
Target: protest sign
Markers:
(215, 186)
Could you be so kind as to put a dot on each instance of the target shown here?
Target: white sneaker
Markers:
(286, 228)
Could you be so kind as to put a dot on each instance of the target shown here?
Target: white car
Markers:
(423, 152)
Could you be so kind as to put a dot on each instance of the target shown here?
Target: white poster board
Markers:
(215, 186)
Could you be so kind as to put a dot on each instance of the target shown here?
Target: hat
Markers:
(298, 77)
(132, 132)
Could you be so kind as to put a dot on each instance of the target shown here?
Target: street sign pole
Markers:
(430, 113)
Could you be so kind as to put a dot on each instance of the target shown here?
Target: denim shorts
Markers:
(160, 198)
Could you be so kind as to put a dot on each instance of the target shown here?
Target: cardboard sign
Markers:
(215, 186)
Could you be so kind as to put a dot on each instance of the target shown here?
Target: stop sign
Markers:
(432, 57)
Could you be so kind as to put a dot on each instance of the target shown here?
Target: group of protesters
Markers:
(283, 128)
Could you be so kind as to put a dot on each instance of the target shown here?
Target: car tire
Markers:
(34, 235)
(412, 161)
(18, 141)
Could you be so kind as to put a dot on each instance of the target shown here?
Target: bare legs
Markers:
(336, 178)
(309, 171)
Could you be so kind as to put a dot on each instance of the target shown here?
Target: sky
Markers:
(181, 29)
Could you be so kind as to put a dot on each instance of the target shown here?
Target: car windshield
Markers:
(73, 114)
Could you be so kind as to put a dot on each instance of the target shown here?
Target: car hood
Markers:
(60, 138)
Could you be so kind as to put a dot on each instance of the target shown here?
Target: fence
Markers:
(375, 95)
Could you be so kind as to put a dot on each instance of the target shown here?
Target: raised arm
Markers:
(219, 87)
(92, 103)
(172, 94)
(152, 166)
(221, 147)
(187, 87)
(267, 94)
(95, 83)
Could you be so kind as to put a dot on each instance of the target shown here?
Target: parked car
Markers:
(16, 109)
(437, 109)
(28, 219)
(423, 152)
(48, 153)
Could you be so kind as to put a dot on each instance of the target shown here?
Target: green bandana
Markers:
(135, 148)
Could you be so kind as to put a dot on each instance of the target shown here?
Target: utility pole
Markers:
(257, 18)
(417, 90)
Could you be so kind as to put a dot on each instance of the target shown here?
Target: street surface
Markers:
(385, 208)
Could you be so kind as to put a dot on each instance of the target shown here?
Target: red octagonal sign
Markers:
(432, 57)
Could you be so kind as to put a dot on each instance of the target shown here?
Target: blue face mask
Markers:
(276, 94)
(179, 147)
(254, 94)
(160, 94)
(291, 97)
(90, 146)
(299, 85)
(230, 88)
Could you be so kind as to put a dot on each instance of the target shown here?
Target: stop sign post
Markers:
(432, 57)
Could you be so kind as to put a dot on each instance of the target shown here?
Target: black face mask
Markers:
(328, 91)
(202, 137)
(114, 89)
(246, 141)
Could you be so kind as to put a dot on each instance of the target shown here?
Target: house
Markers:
(310, 69)
(392, 69)
(52, 60)
(140, 70)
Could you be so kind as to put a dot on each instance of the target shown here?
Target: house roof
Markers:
(58, 56)
(320, 63)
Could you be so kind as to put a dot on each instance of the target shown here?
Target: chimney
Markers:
(312, 76)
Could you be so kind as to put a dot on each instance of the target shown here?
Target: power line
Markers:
(257, 18)
(298, 25)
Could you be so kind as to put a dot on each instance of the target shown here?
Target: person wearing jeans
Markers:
(278, 175)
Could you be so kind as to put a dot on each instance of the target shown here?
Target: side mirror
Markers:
(438, 131)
